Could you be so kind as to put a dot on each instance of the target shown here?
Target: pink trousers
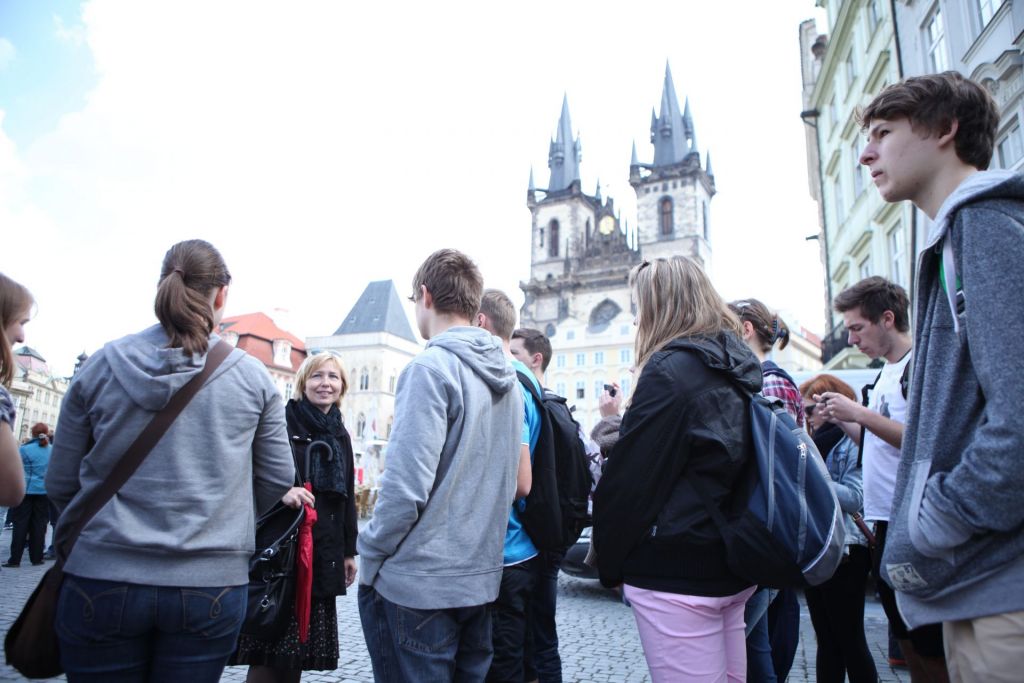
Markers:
(689, 637)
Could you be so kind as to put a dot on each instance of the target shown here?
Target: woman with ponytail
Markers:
(15, 311)
(31, 516)
(772, 636)
(155, 587)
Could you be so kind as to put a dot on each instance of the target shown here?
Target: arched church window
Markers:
(665, 215)
(360, 426)
(553, 238)
(364, 380)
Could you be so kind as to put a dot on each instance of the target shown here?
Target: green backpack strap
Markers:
(949, 278)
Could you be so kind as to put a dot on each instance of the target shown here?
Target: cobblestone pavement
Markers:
(597, 634)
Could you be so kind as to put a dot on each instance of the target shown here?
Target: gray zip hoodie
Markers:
(955, 544)
(186, 517)
(438, 527)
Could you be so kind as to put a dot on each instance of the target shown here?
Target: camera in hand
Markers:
(610, 389)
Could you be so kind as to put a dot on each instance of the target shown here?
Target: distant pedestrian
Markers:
(32, 514)
(687, 428)
(837, 606)
(431, 555)
(155, 587)
(955, 551)
(15, 312)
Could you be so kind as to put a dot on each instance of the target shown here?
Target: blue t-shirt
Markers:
(518, 546)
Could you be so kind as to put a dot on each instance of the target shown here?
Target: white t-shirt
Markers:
(880, 459)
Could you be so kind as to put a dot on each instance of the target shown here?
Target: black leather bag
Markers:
(272, 566)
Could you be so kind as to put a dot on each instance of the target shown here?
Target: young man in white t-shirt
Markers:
(876, 314)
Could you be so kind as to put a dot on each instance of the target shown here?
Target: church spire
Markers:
(564, 154)
(672, 132)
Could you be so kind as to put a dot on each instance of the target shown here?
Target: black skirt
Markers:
(318, 653)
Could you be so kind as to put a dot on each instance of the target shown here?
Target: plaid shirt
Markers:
(779, 386)
(6, 407)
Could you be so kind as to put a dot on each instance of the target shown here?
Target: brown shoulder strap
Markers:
(139, 449)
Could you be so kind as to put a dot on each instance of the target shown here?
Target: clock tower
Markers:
(581, 253)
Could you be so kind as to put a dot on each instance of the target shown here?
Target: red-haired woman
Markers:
(31, 516)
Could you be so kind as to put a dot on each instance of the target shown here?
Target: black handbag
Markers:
(31, 644)
(272, 566)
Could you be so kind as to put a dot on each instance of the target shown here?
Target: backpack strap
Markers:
(864, 400)
(525, 380)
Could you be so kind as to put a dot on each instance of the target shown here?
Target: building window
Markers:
(553, 238)
(935, 39)
(570, 335)
(391, 424)
(851, 70)
(598, 357)
(560, 360)
(364, 380)
(542, 238)
(361, 426)
(833, 119)
(987, 9)
(707, 224)
(665, 215)
(858, 171)
(598, 387)
(391, 383)
(1010, 147)
(625, 355)
(624, 330)
(580, 389)
(560, 388)
(288, 388)
(875, 12)
(864, 269)
(581, 360)
(897, 253)
(624, 386)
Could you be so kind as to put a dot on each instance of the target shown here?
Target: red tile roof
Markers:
(256, 334)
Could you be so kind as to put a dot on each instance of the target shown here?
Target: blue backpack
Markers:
(783, 527)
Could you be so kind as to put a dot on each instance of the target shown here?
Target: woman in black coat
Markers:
(315, 415)
(686, 430)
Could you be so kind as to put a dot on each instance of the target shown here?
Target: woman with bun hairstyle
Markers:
(32, 515)
(687, 429)
(155, 587)
(314, 414)
(772, 637)
(15, 311)
(837, 606)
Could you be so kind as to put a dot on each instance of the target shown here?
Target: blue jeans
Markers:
(759, 649)
(407, 644)
(113, 632)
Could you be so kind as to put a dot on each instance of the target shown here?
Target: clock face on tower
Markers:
(607, 225)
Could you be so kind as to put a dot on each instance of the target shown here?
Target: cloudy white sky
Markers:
(322, 145)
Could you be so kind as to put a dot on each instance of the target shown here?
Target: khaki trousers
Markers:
(986, 649)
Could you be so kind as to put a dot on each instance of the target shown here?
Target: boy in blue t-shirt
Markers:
(520, 573)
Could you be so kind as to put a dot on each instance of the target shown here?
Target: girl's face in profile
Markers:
(16, 330)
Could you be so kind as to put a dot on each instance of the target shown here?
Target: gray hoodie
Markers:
(955, 544)
(438, 527)
(186, 517)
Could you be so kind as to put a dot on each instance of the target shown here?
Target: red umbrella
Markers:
(304, 571)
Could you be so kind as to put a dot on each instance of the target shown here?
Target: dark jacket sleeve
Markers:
(351, 516)
(641, 472)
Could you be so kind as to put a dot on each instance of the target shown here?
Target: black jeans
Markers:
(30, 519)
(546, 664)
(837, 614)
(927, 639)
(509, 619)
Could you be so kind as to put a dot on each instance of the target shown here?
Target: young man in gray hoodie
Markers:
(955, 547)
(431, 557)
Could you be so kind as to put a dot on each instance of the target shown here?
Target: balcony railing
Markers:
(834, 343)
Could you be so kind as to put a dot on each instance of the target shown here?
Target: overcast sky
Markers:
(322, 145)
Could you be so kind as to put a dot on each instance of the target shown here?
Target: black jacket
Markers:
(336, 528)
(687, 425)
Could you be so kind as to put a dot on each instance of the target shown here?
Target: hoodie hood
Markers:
(725, 353)
(150, 372)
(978, 186)
(482, 352)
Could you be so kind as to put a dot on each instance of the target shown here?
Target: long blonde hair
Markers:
(674, 298)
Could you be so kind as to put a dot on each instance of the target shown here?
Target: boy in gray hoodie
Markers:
(431, 557)
(955, 549)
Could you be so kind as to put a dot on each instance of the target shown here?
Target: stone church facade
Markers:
(582, 252)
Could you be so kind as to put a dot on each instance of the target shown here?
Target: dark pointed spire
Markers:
(564, 154)
(671, 136)
(707, 164)
(597, 190)
(530, 187)
(633, 160)
(688, 126)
